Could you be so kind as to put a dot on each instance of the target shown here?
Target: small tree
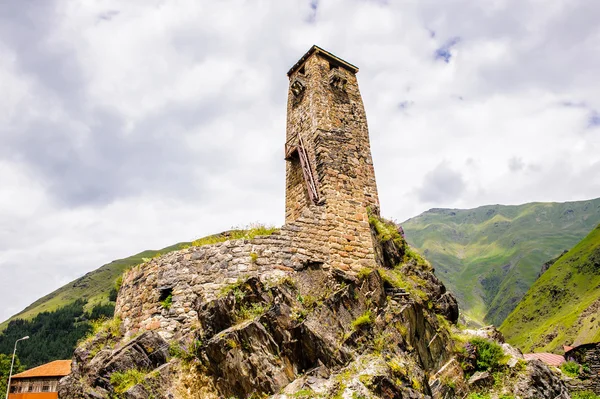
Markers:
(5, 361)
(489, 354)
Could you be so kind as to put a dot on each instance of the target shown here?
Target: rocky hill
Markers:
(230, 321)
(562, 306)
(490, 256)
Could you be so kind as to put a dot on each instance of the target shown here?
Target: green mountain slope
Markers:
(562, 306)
(490, 256)
(94, 287)
(56, 322)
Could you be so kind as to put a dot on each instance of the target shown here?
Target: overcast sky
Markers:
(133, 125)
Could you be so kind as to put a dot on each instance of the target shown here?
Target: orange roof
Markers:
(57, 368)
(567, 348)
(549, 358)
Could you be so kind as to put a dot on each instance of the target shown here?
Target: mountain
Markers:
(95, 287)
(490, 256)
(562, 306)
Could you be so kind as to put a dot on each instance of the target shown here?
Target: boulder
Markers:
(449, 381)
(481, 379)
(90, 378)
(488, 332)
(539, 382)
(447, 306)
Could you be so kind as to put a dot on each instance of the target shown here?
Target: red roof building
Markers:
(549, 358)
(39, 382)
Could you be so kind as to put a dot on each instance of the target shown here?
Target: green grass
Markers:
(490, 256)
(96, 285)
(584, 395)
(122, 381)
(167, 302)
(475, 395)
(364, 320)
(570, 368)
(556, 310)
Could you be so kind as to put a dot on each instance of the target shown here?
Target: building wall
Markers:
(34, 387)
(588, 354)
(592, 359)
(40, 395)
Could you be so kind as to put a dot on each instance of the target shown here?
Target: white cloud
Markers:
(127, 126)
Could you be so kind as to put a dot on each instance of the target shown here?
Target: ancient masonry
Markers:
(330, 190)
(588, 354)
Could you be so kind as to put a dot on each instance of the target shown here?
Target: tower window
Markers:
(297, 88)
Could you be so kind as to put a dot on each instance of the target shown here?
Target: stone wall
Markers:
(588, 354)
(198, 274)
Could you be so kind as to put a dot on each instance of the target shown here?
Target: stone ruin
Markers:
(589, 355)
(302, 312)
(330, 190)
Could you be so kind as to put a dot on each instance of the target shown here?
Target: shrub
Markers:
(185, 353)
(118, 283)
(109, 328)
(247, 233)
(251, 311)
(167, 302)
(387, 230)
(236, 288)
(570, 368)
(364, 273)
(364, 320)
(489, 354)
(122, 381)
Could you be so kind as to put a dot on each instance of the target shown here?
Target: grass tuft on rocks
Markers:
(122, 381)
(362, 321)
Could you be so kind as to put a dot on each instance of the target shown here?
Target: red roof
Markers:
(549, 358)
(57, 368)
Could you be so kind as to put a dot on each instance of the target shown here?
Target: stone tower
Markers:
(329, 171)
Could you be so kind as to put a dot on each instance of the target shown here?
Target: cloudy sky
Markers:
(134, 125)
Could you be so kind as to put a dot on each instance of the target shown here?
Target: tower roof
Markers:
(332, 58)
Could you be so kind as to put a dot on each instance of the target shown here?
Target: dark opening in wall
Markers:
(302, 71)
(165, 292)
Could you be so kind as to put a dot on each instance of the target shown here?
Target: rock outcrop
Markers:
(285, 332)
(302, 332)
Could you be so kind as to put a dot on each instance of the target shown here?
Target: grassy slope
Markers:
(490, 256)
(94, 286)
(562, 306)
